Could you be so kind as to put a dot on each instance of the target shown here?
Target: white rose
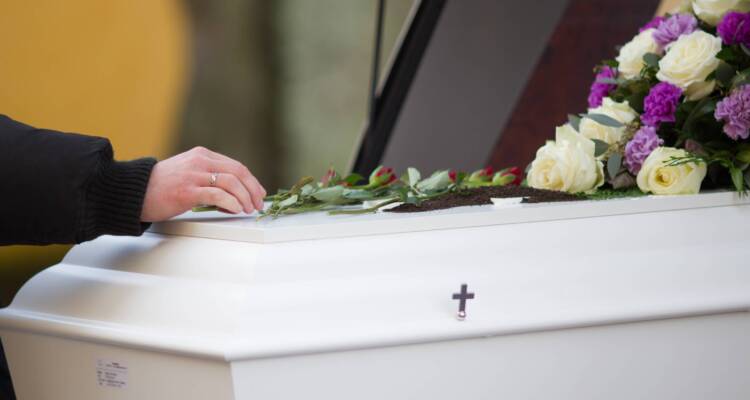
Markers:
(631, 55)
(689, 61)
(611, 135)
(658, 178)
(712, 11)
(685, 6)
(567, 164)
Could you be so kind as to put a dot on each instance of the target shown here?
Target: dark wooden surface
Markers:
(586, 34)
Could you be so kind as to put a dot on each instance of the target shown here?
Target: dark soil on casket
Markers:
(481, 196)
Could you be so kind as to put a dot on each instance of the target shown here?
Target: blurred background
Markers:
(280, 85)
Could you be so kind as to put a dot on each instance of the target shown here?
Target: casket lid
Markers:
(320, 225)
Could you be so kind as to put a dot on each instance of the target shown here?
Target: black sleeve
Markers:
(6, 385)
(66, 188)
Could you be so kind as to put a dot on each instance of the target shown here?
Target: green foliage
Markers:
(724, 74)
(651, 60)
(602, 119)
(574, 121)
(634, 91)
(611, 63)
(600, 147)
(614, 163)
(333, 193)
(607, 194)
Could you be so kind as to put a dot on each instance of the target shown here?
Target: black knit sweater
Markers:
(66, 188)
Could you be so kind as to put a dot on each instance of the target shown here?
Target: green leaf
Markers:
(605, 120)
(574, 121)
(724, 73)
(353, 179)
(611, 63)
(288, 202)
(729, 54)
(329, 195)
(600, 147)
(306, 190)
(372, 209)
(704, 107)
(737, 178)
(613, 164)
(437, 181)
(745, 49)
(460, 177)
(609, 81)
(740, 78)
(413, 175)
(651, 59)
(747, 178)
(358, 194)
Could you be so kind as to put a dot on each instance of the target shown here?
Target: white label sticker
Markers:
(111, 374)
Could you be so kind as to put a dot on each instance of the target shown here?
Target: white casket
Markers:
(620, 299)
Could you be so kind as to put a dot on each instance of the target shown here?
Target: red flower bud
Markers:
(382, 176)
(508, 176)
(452, 175)
(515, 171)
(481, 176)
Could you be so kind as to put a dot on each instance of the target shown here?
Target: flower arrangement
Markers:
(670, 111)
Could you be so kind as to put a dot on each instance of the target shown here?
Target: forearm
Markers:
(65, 188)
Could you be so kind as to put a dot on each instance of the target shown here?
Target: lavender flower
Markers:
(652, 24)
(660, 104)
(734, 110)
(673, 27)
(734, 28)
(600, 90)
(639, 148)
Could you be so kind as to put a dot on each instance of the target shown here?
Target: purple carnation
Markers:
(660, 104)
(734, 110)
(652, 24)
(599, 89)
(673, 27)
(639, 148)
(734, 28)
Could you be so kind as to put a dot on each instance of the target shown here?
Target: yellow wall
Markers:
(114, 68)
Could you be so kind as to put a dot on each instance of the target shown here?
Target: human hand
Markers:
(184, 181)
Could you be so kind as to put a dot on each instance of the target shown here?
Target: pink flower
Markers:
(330, 178)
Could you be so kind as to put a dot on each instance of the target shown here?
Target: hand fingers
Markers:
(238, 165)
(232, 167)
(217, 197)
(229, 183)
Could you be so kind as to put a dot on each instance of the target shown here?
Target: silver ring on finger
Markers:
(213, 178)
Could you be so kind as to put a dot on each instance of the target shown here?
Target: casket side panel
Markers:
(682, 359)
(45, 367)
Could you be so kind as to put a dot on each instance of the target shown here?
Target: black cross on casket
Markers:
(462, 297)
